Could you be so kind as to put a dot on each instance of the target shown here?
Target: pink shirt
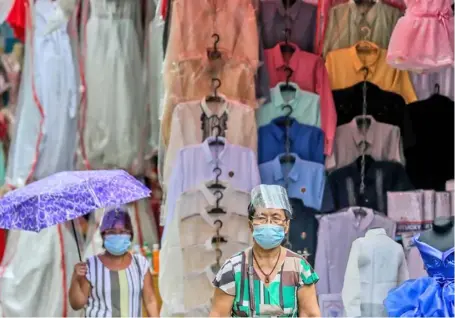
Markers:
(310, 74)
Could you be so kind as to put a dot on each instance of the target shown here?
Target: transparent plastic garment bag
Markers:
(36, 272)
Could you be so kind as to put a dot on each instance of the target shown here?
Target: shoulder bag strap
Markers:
(251, 283)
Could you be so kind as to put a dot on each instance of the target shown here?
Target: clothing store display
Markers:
(336, 233)
(346, 67)
(300, 18)
(385, 107)
(188, 71)
(44, 139)
(194, 164)
(426, 296)
(309, 73)
(380, 177)
(278, 298)
(450, 185)
(423, 38)
(109, 139)
(305, 105)
(427, 84)
(350, 22)
(303, 230)
(376, 264)
(110, 283)
(303, 179)
(381, 141)
(428, 164)
(186, 127)
(187, 252)
(306, 141)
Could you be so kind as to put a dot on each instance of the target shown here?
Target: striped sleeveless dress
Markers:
(116, 293)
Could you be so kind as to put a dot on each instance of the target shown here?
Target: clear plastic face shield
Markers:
(270, 197)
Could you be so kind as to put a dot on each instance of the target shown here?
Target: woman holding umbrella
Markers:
(114, 283)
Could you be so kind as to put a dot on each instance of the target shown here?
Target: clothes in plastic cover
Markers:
(270, 197)
(114, 116)
(207, 40)
(43, 141)
(155, 88)
(36, 272)
(143, 221)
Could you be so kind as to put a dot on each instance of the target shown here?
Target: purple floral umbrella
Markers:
(66, 196)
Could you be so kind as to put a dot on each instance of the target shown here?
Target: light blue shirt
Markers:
(306, 106)
(305, 181)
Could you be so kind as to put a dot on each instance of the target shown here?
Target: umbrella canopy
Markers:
(66, 196)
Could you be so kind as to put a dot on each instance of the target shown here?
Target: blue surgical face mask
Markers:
(117, 244)
(268, 236)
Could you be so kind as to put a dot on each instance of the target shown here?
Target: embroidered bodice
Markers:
(439, 265)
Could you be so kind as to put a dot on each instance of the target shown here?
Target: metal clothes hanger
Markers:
(216, 82)
(287, 87)
(215, 54)
(217, 240)
(216, 184)
(217, 141)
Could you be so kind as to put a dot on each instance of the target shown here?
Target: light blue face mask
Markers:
(268, 236)
(117, 244)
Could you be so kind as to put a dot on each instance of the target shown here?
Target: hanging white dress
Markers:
(35, 273)
(46, 123)
(114, 116)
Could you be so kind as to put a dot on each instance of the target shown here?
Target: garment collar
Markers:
(368, 60)
(279, 132)
(277, 95)
(375, 232)
(212, 198)
(210, 158)
(359, 221)
(291, 12)
(369, 16)
(294, 173)
(279, 61)
(220, 108)
(357, 134)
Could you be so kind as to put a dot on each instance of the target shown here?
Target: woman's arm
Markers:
(307, 300)
(79, 291)
(222, 304)
(149, 297)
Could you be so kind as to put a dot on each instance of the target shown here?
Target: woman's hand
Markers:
(80, 287)
(80, 270)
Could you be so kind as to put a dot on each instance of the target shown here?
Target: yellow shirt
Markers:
(346, 67)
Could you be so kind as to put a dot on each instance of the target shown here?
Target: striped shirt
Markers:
(293, 274)
(116, 293)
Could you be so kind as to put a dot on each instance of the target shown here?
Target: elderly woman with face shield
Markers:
(115, 283)
(266, 279)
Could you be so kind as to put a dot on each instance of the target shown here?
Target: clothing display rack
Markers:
(341, 102)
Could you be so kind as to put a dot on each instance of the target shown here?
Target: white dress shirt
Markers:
(196, 163)
(376, 264)
(186, 127)
(187, 253)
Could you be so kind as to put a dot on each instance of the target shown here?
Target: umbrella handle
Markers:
(75, 237)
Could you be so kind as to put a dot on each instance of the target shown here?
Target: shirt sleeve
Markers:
(225, 279)
(307, 274)
(351, 286)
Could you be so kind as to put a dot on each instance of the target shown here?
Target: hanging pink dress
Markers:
(423, 39)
